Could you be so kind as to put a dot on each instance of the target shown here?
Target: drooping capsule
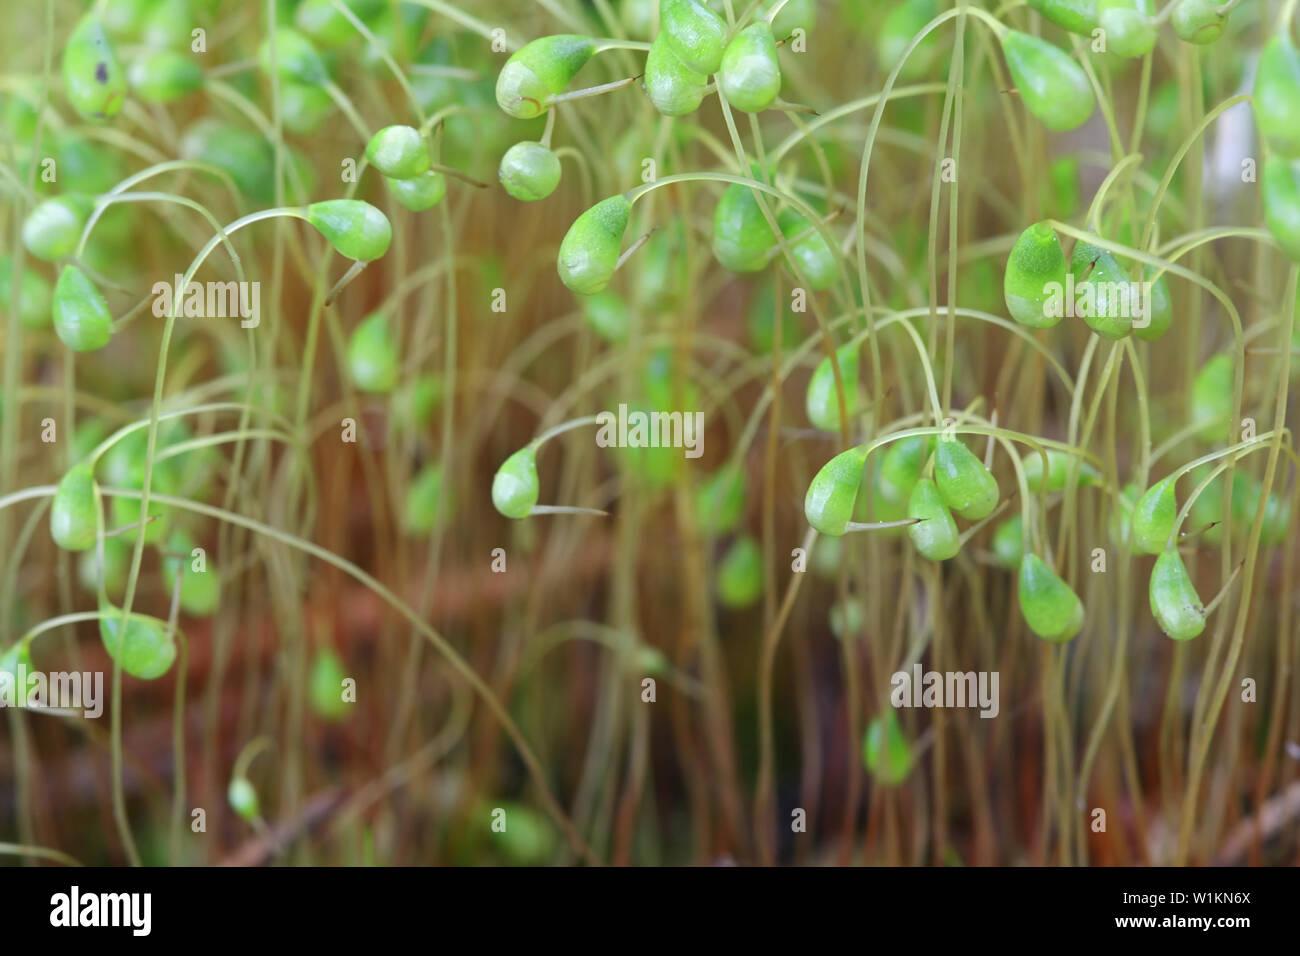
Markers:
(144, 648)
(742, 238)
(935, 533)
(419, 192)
(1051, 609)
(426, 505)
(539, 70)
(291, 56)
(93, 80)
(200, 584)
(74, 514)
(529, 171)
(1052, 85)
(1159, 309)
(750, 74)
(821, 400)
(53, 227)
(82, 319)
(967, 487)
(354, 228)
(1008, 542)
(1129, 31)
(303, 108)
(886, 751)
(1200, 21)
(901, 466)
(740, 574)
(1077, 16)
(1154, 516)
(819, 264)
(1059, 465)
(1103, 295)
(833, 492)
(325, 686)
(1034, 282)
(164, 76)
(696, 35)
(1175, 604)
(515, 487)
(590, 250)
(399, 152)
(243, 799)
(673, 87)
(373, 360)
(721, 500)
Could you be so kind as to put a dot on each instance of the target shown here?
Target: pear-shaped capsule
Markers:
(1158, 312)
(243, 799)
(1200, 21)
(721, 500)
(1009, 542)
(821, 400)
(1052, 85)
(1280, 190)
(1034, 282)
(819, 264)
(1129, 31)
(53, 227)
(200, 584)
(354, 228)
(673, 87)
(967, 487)
(740, 574)
(750, 74)
(82, 318)
(529, 171)
(295, 58)
(144, 648)
(415, 404)
(303, 108)
(1212, 396)
(164, 76)
(1277, 96)
(1059, 465)
(539, 70)
(742, 238)
(1174, 602)
(590, 250)
(515, 486)
(399, 152)
(74, 515)
(373, 362)
(1077, 16)
(426, 504)
(1103, 295)
(419, 192)
(1154, 516)
(935, 533)
(33, 295)
(901, 466)
(833, 492)
(886, 751)
(93, 80)
(1050, 608)
(325, 686)
(696, 34)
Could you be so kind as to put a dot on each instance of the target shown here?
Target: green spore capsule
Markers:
(750, 74)
(967, 487)
(886, 752)
(303, 108)
(123, 467)
(740, 574)
(1050, 608)
(93, 80)
(589, 252)
(529, 171)
(742, 239)
(1129, 31)
(1160, 312)
(164, 76)
(1277, 97)
(901, 466)
(354, 228)
(426, 504)
(935, 533)
(1212, 396)
(33, 295)
(903, 22)
(1154, 516)
(1035, 277)
(695, 34)
(720, 501)
(608, 315)
(1008, 542)
(373, 362)
(168, 24)
(1052, 85)
(1246, 492)
(833, 492)
(1200, 21)
(82, 319)
(325, 686)
(1281, 193)
(419, 193)
(819, 264)
(847, 617)
(295, 58)
(53, 227)
(116, 566)
(673, 87)
(144, 649)
(1103, 294)
(1059, 465)
(74, 516)
(515, 487)
(243, 799)
(821, 400)
(236, 151)
(415, 404)
(200, 583)
(1175, 604)
(399, 152)
(539, 70)
(1077, 16)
